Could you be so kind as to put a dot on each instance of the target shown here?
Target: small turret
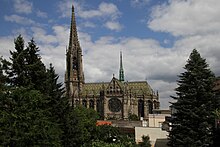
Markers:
(121, 71)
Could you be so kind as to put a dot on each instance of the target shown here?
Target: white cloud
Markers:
(143, 59)
(196, 25)
(186, 17)
(19, 19)
(113, 25)
(6, 44)
(40, 36)
(108, 12)
(139, 3)
(65, 7)
(23, 6)
(104, 9)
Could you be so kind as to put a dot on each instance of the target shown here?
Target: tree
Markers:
(17, 72)
(80, 127)
(193, 121)
(26, 68)
(36, 71)
(24, 120)
(145, 142)
(3, 78)
(32, 104)
(57, 104)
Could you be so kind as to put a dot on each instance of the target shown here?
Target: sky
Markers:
(156, 37)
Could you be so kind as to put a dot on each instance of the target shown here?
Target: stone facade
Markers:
(115, 99)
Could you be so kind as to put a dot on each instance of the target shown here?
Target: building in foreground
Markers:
(115, 99)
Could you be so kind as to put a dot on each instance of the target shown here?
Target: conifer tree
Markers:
(24, 120)
(193, 121)
(18, 73)
(57, 102)
(26, 67)
(2, 76)
(35, 67)
(27, 117)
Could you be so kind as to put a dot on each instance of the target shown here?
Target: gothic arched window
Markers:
(150, 107)
(84, 103)
(91, 104)
(98, 106)
(141, 108)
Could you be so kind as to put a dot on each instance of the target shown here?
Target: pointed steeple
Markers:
(74, 66)
(73, 40)
(121, 71)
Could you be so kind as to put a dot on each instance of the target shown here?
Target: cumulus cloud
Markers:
(23, 6)
(195, 24)
(65, 7)
(186, 17)
(104, 9)
(113, 25)
(19, 19)
(108, 12)
(143, 58)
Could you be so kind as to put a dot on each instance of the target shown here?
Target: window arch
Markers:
(150, 107)
(140, 108)
(84, 103)
(91, 104)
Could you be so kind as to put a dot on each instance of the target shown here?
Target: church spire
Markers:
(73, 40)
(121, 71)
(74, 78)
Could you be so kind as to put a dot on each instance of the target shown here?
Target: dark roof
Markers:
(161, 143)
(136, 87)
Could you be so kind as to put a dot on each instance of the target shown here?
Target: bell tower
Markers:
(74, 76)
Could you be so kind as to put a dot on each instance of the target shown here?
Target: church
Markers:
(115, 99)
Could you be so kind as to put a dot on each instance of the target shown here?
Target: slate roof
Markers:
(136, 87)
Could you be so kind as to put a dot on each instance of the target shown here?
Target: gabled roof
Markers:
(136, 87)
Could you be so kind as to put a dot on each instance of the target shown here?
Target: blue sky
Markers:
(155, 36)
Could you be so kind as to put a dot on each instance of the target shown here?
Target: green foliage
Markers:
(145, 142)
(133, 117)
(106, 144)
(112, 135)
(217, 113)
(33, 111)
(194, 120)
(26, 68)
(30, 110)
(80, 126)
(2, 76)
(24, 120)
(57, 104)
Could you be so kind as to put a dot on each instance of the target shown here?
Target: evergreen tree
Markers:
(193, 121)
(32, 106)
(57, 102)
(17, 72)
(35, 68)
(2, 76)
(24, 120)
